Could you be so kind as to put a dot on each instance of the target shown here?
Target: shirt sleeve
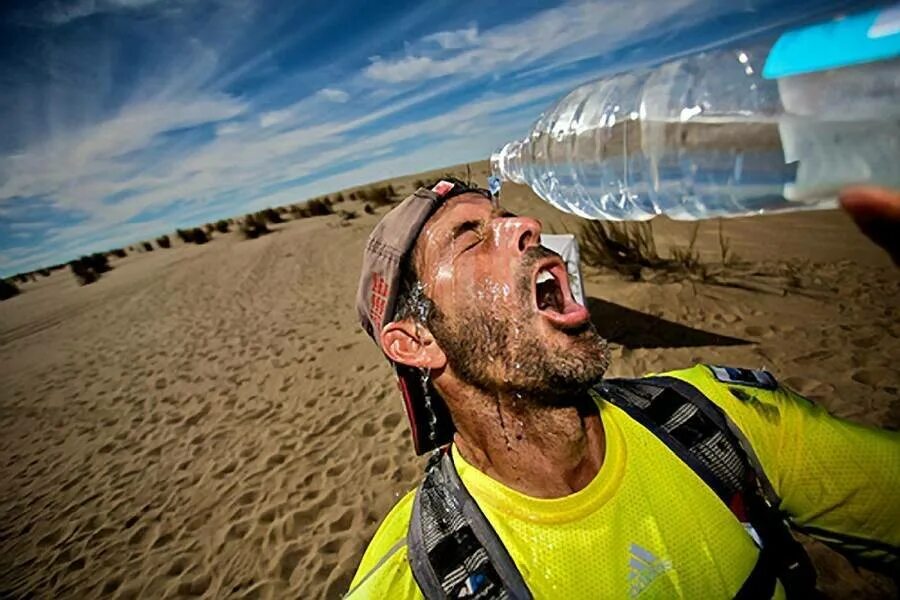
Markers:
(384, 570)
(837, 480)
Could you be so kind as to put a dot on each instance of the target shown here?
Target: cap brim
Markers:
(420, 421)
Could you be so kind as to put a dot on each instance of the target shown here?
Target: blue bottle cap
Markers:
(861, 38)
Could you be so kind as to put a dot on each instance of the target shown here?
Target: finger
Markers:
(867, 203)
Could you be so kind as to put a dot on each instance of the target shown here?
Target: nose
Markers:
(517, 233)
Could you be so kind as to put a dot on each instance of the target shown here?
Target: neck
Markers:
(539, 450)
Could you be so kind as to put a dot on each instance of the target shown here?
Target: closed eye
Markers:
(465, 227)
(468, 234)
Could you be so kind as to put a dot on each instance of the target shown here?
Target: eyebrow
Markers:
(465, 226)
(474, 224)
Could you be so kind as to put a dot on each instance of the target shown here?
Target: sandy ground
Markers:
(211, 421)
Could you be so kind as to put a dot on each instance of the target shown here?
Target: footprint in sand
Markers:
(391, 420)
(342, 523)
(289, 560)
(874, 377)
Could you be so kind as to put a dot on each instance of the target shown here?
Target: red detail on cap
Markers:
(442, 187)
(377, 299)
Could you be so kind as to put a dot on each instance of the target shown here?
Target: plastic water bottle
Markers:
(712, 135)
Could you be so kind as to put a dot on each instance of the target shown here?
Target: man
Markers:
(554, 486)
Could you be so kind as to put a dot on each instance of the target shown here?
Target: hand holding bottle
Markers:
(876, 211)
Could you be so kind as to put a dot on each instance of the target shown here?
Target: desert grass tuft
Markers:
(270, 215)
(347, 215)
(88, 269)
(622, 247)
(8, 289)
(194, 235)
(253, 227)
(382, 195)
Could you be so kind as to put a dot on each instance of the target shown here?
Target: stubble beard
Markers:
(501, 351)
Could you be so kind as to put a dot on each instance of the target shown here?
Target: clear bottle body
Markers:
(707, 136)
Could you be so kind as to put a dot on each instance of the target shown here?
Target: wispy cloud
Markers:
(574, 31)
(335, 95)
(60, 12)
(199, 110)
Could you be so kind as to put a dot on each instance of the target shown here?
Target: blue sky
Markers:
(124, 119)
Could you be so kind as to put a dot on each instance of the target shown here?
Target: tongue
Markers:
(552, 304)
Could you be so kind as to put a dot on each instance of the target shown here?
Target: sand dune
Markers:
(211, 421)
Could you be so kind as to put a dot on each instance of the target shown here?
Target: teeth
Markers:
(544, 276)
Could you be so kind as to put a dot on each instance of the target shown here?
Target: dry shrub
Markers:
(8, 289)
(317, 207)
(384, 195)
(148, 247)
(88, 269)
(222, 226)
(629, 249)
(192, 236)
(299, 212)
(687, 258)
(368, 209)
(253, 227)
(270, 215)
(45, 272)
(623, 247)
(347, 215)
(338, 198)
(200, 236)
(163, 241)
(118, 252)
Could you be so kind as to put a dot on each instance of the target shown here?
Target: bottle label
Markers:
(853, 40)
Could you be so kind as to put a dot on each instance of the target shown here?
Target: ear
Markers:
(412, 345)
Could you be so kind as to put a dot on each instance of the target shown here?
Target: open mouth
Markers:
(553, 297)
(548, 292)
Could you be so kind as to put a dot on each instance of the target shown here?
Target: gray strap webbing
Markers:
(718, 416)
(442, 477)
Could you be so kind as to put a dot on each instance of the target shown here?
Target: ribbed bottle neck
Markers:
(507, 162)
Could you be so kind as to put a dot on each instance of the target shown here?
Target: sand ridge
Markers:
(211, 420)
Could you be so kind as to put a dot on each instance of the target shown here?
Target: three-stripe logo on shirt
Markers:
(643, 568)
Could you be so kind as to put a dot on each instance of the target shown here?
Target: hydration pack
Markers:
(454, 551)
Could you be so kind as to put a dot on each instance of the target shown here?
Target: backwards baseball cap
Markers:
(385, 257)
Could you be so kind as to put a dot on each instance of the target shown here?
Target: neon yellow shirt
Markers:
(648, 527)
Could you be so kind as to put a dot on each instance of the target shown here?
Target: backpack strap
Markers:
(704, 438)
(453, 550)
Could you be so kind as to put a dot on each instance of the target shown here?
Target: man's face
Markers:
(505, 316)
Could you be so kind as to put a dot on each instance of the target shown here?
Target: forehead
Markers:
(438, 228)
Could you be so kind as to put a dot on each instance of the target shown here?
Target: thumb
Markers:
(867, 203)
(877, 213)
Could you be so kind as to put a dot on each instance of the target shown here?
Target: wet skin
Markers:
(513, 374)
